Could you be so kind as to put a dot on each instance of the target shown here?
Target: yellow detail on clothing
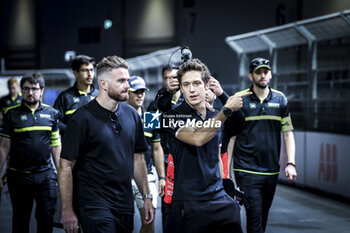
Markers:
(17, 170)
(285, 97)
(55, 134)
(82, 93)
(56, 142)
(6, 109)
(4, 135)
(173, 101)
(286, 123)
(263, 117)
(70, 112)
(148, 134)
(240, 92)
(258, 173)
(46, 105)
(32, 128)
(156, 140)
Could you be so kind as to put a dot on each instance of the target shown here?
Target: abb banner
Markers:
(322, 161)
(327, 160)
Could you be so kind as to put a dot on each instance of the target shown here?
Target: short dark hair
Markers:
(33, 78)
(167, 68)
(109, 63)
(80, 60)
(194, 65)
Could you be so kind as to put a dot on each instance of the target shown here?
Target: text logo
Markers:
(151, 120)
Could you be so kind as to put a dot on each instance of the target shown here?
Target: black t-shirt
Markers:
(104, 167)
(197, 173)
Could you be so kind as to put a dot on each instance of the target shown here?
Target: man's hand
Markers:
(173, 85)
(291, 173)
(70, 221)
(161, 187)
(149, 210)
(235, 102)
(215, 87)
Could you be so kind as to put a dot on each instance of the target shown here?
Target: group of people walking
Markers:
(103, 156)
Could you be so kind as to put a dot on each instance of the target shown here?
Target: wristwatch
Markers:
(149, 196)
(226, 111)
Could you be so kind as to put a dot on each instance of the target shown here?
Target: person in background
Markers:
(81, 93)
(13, 98)
(102, 152)
(154, 154)
(257, 147)
(29, 136)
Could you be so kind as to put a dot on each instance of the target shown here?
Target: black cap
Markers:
(258, 63)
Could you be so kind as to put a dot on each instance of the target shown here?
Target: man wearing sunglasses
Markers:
(153, 156)
(102, 152)
(29, 136)
(81, 93)
(257, 147)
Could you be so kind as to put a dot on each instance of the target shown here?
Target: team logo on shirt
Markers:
(47, 116)
(23, 117)
(252, 105)
(273, 105)
(151, 120)
(76, 100)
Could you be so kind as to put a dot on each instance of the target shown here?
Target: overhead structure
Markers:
(310, 63)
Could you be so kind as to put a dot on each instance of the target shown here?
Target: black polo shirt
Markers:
(197, 173)
(257, 147)
(8, 101)
(70, 100)
(32, 134)
(104, 158)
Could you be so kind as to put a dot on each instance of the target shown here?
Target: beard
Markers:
(30, 103)
(118, 96)
(260, 85)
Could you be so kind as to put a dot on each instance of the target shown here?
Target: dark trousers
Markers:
(99, 219)
(24, 189)
(219, 216)
(168, 218)
(259, 191)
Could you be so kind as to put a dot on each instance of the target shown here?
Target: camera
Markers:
(186, 54)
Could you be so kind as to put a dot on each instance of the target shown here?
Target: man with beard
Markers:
(81, 93)
(30, 133)
(257, 148)
(104, 143)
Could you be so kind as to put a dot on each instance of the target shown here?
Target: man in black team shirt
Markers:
(29, 134)
(199, 199)
(257, 147)
(104, 142)
(81, 93)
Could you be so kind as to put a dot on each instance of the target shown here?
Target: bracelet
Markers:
(290, 163)
(162, 178)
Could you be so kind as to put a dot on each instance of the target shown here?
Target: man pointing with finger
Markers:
(199, 199)
(257, 148)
